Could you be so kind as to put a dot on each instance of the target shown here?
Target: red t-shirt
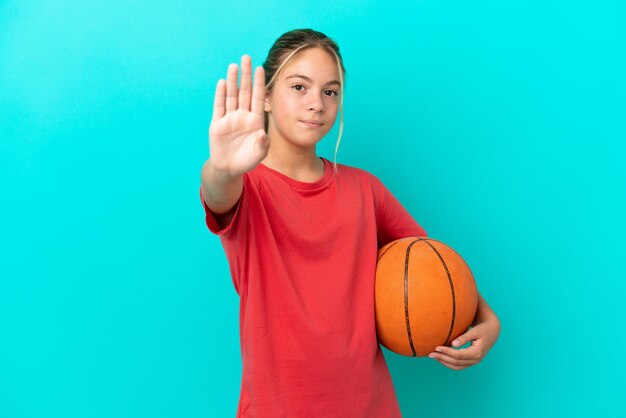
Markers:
(302, 258)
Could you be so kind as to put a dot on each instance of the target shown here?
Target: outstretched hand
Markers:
(482, 335)
(237, 138)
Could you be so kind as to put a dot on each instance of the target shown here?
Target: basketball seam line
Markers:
(406, 296)
(390, 247)
(445, 266)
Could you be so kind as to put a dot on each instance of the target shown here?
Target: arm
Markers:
(237, 138)
(482, 335)
(484, 313)
(220, 190)
(220, 193)
(393, 221)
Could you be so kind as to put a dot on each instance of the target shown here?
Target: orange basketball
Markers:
(425, 296)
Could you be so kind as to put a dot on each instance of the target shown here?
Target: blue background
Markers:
(499, 125)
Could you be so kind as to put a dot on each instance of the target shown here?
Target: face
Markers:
(307, 89)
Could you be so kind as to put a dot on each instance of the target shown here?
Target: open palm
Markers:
(237, 138)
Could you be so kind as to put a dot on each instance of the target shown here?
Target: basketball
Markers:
(425, 296)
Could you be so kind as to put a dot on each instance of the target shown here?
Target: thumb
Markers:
(262, 139)
(465, 338)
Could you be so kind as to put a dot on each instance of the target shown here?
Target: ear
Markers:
(266, 105)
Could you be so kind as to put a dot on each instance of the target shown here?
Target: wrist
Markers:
(218, 174)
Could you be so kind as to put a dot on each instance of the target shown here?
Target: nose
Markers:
(316, 103)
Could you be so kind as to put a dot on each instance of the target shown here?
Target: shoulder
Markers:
(254, 178)
(364, 178)
(356, 173)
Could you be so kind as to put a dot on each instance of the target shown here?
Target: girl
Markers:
(301, 236)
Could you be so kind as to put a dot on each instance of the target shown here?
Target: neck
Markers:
(291, 160)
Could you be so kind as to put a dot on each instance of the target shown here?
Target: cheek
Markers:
(332, 108)
(331, 104)
(284, 106)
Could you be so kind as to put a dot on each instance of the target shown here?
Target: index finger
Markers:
(258, 91)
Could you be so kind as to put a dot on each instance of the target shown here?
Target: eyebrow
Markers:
(310, 81)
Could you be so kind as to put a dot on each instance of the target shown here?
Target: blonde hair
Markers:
(286, 47)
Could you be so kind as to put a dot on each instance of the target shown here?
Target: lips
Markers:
(312, 123)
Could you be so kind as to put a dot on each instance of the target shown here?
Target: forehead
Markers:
(314, 63)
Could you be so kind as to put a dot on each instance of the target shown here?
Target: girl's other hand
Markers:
(483, 336)
(237, 138)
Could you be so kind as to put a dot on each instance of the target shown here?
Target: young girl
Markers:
(301, 235)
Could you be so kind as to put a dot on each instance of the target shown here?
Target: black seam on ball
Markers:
(445, 266)
(406, 296)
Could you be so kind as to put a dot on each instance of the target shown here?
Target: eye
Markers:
(332, 92)
(295, 87)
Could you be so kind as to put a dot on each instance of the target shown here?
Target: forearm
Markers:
(220, 191)
(484, 311)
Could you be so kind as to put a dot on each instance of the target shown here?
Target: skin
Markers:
(314, 96)
(238, 143)
(482, 335)
(237, 138)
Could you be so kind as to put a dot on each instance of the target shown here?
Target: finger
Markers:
(442, 358)
(465, 338)
(245, 87)
(453, 366)
(218, 102)
(231, 88)
(448, 365)
(258, 92)
(262, 139)
(462, 354)
(261, 143)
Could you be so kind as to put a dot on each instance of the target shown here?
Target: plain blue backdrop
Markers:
(499, 125)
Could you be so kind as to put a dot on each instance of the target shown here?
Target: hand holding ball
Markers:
(425, 296)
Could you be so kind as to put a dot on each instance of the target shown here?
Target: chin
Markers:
(309, 141)
(302, 137)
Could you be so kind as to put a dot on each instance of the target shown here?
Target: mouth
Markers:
(312, 123)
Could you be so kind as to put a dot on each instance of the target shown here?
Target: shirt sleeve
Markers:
(393, 221)
(211, 220)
